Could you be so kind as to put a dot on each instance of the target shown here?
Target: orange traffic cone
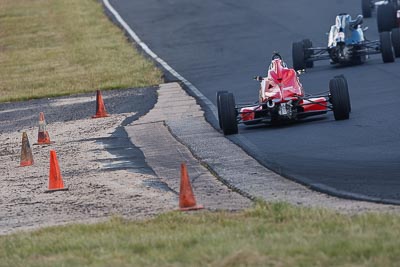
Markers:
(186, 196)
(100, 108)
(26, 152)
(55, 180)
(43, 135)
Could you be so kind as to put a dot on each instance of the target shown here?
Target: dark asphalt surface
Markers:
(222, 44)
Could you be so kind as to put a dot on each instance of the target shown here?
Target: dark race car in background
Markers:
(388, 16)
(347, 45)
(367, 6)
(282, 99)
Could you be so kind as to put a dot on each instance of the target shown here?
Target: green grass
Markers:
(59, 47)
(266, 235)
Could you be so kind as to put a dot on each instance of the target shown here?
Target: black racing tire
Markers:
(228, 114)
(386, 18)
(298, 56)
(342, 79)
(386, 47)
(219, 93)
(396, 41)
(366, 8)
(339, 97)
(308, 53)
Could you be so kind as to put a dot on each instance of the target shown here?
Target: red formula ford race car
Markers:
(282, 98)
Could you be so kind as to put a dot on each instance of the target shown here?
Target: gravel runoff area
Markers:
(108, 175)
(98, 188)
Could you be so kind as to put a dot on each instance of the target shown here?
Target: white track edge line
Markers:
(164, 64)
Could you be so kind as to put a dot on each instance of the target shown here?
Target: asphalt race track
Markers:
(222, 44)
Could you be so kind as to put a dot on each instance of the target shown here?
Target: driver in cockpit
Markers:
(275, 55)
(343, 21)
(344, 18)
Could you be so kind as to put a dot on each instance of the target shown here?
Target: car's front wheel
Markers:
(343, 81)
(386, 17)
(386, 47)
(339, 97)
(219, 93)
(227, 113)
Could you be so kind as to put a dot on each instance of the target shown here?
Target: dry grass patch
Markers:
(51, 48)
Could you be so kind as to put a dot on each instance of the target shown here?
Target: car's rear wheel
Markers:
(227, 114)
(366, 8)
(339, 97)
(343, 81)
(308, 53)
(396, 41)
(386, 18)
(298, 56)
(386, 47)
(219, 93)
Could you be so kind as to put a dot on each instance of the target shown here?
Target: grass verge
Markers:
(266, 235)
(52, 48)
